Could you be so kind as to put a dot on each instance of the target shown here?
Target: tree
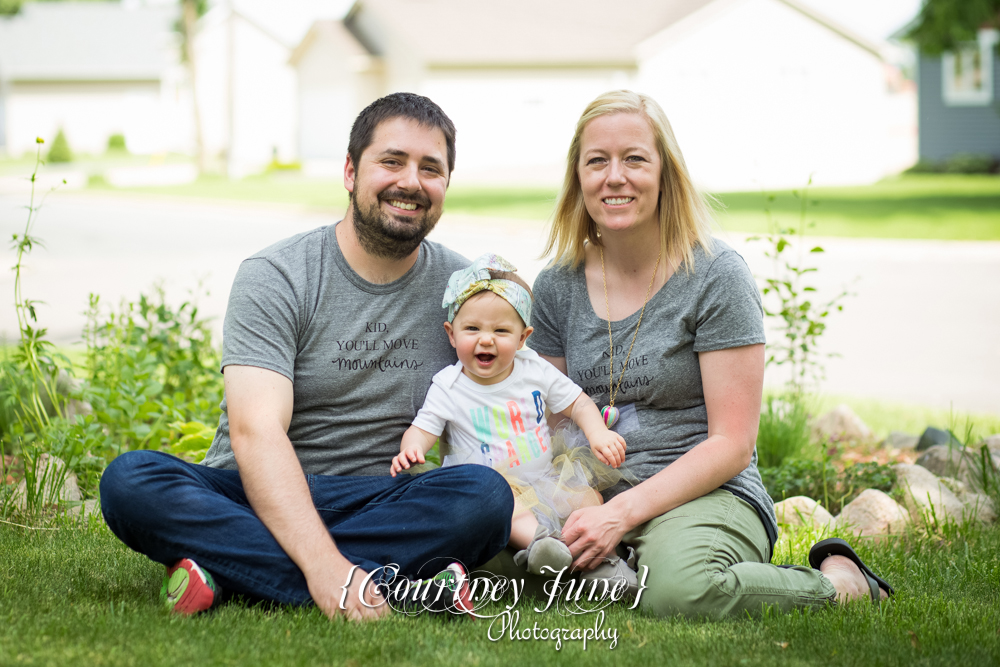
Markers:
(191, 11)
(944, 24)
(9, 7)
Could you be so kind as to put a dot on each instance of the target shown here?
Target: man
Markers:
(330, 341)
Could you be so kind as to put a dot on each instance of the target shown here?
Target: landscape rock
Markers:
(900, 440)
(800, 511)
(873, 513)
(90, 507)
(935, 436)
(841, 424)
(49, 471)
(950, 461)
(978, 505)
(926, 495)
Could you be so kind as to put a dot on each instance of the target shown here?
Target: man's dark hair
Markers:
(405, 105)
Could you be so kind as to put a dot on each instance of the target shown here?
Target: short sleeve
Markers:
(548, 316)
(562, 391)
(262, 320)
(729, 312)
(433, 416)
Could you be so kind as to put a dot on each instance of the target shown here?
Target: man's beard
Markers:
(384, 237)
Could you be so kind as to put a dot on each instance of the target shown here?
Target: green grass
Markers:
(885, 416)
(928, 206)
(89, 164)
(938, 206)
(77, 596)
(278, 189)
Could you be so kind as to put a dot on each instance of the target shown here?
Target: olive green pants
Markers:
(709, 558)
(706, 558)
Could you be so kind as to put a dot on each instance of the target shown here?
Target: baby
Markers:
(492, 406)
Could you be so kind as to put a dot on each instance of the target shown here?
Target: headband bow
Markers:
(476, 278)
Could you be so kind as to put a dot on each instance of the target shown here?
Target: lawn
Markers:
(882, 417)
(78, 596)
(934, 206)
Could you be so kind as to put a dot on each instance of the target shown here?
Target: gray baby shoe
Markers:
(614, 570)
(545, 551)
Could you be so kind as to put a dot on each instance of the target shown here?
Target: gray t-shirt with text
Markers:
(360, 355)
(716, 306)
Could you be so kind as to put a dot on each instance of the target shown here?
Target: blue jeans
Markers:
(169, 509)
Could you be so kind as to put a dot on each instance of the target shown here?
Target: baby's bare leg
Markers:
(585, 498)
(523, 525)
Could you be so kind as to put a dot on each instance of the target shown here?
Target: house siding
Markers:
(946, 130)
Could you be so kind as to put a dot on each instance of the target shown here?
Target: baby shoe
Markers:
(614, 570)
(546, 555)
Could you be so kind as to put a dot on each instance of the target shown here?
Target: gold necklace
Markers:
(609, 412)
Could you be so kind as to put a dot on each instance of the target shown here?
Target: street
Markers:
(922, 324)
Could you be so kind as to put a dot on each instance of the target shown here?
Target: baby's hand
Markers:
(609, 447)
(402, 460)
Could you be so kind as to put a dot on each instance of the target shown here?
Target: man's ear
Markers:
(524, 335)
(451, 333)
(350, 173)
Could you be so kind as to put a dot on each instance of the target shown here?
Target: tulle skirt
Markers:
(571, 482)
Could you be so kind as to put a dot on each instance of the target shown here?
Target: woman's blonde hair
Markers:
(685, 218)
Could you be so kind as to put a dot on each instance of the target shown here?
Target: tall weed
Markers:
(784, 430)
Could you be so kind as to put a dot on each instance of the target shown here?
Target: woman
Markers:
(663, 325)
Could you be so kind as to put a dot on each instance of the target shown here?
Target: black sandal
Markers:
(838, 547)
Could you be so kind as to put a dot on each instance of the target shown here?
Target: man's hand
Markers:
(609, 447)
(402, 461)
(328, 592)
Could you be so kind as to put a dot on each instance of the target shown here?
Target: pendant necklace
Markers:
(609, 412)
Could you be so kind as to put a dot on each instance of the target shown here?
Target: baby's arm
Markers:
(607, 445)
(416, 442)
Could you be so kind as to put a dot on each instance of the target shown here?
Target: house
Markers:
(246, 86)
(958, 103)
(92, 69)
(761, 93)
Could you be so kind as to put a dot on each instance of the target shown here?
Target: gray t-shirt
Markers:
(360, 356)
(716, 306)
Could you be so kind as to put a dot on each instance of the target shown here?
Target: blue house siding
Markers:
(945, 130)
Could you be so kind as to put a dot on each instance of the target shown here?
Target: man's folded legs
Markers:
(170, 510)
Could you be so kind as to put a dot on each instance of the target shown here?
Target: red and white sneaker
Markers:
(188, 589)
(448, 590)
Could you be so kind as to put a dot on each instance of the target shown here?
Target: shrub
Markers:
(783, 432)
(925, 166)
(823, 482)
(970, 163)
(150, 366)
(10, 7)
(60, 151)
(116, 143)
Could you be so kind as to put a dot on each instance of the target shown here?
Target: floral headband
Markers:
(477, 278)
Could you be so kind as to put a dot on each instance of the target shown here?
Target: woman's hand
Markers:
(591, 533)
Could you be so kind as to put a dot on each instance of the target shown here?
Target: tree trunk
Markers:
(189, 17)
